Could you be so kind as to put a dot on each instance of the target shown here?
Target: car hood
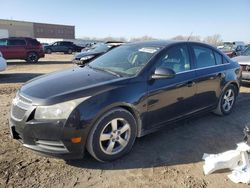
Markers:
(83, 54)
(242, 60)
(66, 85)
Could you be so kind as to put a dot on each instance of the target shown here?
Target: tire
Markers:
(48, 51)
(112, 136)
(227, 101)
(32, 57)
(70, 51)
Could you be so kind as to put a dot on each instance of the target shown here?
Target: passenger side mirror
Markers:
(163, 73)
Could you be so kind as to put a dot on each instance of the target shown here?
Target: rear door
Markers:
(17, 48)
(64, 46)
(170, 99)
(209, 74)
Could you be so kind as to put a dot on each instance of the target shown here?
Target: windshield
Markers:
(125, 60)
(246, 52)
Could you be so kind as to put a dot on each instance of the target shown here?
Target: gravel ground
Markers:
(168, 158)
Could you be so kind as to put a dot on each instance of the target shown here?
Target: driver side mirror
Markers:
(163, 73)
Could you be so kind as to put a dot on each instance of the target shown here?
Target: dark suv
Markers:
(21, 48)
(62, 46)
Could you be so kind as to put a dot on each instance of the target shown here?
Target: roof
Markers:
(157, 42)
(165, 43)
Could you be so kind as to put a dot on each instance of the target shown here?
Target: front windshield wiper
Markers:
(112, 72)
(105, 70)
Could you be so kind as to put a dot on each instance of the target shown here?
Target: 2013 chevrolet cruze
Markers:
(125, 93)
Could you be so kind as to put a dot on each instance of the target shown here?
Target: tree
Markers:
(143, 38)
(185, 38)
(213, 40)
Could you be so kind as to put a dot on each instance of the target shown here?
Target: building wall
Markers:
(37, 30)
(16, 28)
(53, 31)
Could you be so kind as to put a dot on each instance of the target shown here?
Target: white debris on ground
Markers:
(235, 160)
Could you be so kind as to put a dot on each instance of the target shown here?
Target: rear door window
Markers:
(218, 58)
(204, 56)
(16, 42)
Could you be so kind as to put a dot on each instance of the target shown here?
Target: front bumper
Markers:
(50, 138)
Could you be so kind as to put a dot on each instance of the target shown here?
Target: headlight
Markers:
(86, 57)
(57, 111)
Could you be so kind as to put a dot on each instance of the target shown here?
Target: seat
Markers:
(204, 60)
(175, 61)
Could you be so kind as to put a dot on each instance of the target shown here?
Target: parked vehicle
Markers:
(94, 52)
(232, 49)
(62, 46)
(126, 93)
(45, 44)
(21, 48)
(244, 61)
(3, 64)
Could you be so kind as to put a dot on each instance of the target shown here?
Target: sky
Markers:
(161, 19)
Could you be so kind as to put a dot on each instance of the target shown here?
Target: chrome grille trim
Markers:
(20, 105)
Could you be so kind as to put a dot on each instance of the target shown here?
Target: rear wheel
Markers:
(32, 57)
(70, 51)
(112, 136)
(227, 101)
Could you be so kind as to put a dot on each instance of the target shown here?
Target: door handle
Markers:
(190, 84)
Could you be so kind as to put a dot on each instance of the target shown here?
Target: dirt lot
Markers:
(168, 158)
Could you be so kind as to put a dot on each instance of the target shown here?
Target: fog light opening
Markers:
(76, 140)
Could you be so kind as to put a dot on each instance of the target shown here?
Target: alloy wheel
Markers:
(228, 100)
(32, 57)
(115, 136)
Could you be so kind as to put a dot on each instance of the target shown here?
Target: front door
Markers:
(170, 99)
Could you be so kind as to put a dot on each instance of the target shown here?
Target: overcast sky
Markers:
(134, 18)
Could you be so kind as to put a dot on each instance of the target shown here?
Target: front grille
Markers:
(20, 105)
(17, 112)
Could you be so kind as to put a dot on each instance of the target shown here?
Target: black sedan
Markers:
(95, 51)
(126, 93)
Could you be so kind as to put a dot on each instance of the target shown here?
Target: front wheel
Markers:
(227, 101)
(112, 136)
(48, 51)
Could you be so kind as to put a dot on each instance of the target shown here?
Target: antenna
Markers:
(190, 36)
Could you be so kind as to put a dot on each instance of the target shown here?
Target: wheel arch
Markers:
(130, 108)
(235, 84)
(31, 52)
